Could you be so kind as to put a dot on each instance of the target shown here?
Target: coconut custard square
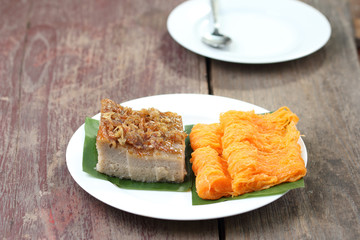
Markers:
(145, 145)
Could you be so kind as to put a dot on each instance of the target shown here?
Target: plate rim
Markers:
(212, 53)
(80, 133)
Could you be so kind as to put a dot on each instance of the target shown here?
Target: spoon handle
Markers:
(214, 10)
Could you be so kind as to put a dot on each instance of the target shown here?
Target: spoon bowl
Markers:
(216, 40)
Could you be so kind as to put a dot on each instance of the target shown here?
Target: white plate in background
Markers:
(262, 31)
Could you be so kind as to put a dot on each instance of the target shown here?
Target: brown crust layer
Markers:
(141, 131)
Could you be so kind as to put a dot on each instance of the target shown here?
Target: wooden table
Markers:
(59, 58)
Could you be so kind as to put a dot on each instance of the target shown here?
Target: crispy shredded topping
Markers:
(147, 129)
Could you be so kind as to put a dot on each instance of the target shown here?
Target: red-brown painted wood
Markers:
(59, 58)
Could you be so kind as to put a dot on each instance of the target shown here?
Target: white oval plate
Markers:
(193, 108)
(262, 31)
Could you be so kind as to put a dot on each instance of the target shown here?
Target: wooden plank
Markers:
(76, 53)
(323, 89)
(12, 36)
(355, 14)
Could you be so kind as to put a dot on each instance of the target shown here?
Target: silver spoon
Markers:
(215, 39)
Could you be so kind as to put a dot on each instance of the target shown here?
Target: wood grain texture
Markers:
(324, 90)
(12, 38)
(58, 59)
(355, 14)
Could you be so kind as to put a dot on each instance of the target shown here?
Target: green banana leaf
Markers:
(90, 159)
